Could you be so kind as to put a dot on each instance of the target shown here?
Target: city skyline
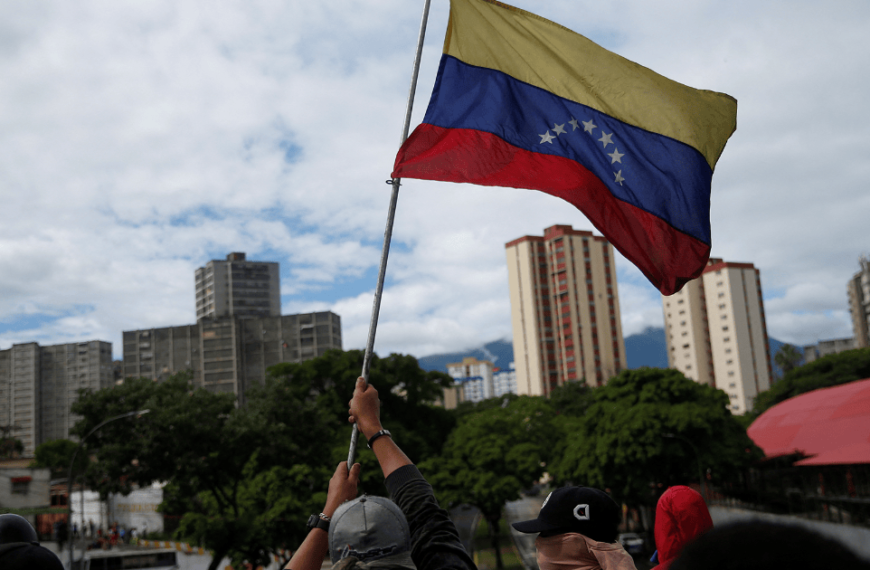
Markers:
(140, 142)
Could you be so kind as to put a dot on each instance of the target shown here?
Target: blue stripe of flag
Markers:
(664, 177)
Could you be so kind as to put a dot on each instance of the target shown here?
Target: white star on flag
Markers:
(574, 124)
(558, 129)
(616, 156)
(546, 138)
(619, 177)
(605, 139)
(588, 126)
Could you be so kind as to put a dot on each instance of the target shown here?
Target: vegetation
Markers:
(491, 456)
(632, 437)
(788, 358)
(831, 370)
(57, 456)
(10, 446)
(243, 479)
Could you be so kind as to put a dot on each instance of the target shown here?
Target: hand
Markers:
(365, 408)
(342, 487)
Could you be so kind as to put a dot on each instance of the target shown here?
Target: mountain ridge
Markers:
(648, 348)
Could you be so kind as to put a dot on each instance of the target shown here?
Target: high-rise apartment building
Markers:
(473, 377)
(38, 384)
(859, 304)
(238, 288)
(229, 354)
(564, 310)
(504, 381)
(716, 332)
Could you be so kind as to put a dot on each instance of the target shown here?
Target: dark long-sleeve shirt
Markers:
(435, 543)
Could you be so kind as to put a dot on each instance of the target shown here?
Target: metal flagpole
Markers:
(388, 232)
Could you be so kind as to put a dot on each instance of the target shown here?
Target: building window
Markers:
(725, 328)
(20, 485)
(721, 295)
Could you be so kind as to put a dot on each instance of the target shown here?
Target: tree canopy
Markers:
(620, 443)
(492, 455)
(788, 358)
(243, 479)
(56, 455)
(831, 370)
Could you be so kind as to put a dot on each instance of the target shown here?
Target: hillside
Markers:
(648, 348)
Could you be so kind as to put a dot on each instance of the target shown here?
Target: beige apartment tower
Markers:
(564, 310)
(717, 334)
(238, 288)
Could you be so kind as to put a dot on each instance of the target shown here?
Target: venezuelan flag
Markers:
(523, 102)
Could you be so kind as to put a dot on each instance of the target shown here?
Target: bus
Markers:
(153, 559)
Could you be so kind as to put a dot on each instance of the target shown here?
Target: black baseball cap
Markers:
(19, 549)
(584, 510)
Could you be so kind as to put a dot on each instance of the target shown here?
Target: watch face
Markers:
(313, 520)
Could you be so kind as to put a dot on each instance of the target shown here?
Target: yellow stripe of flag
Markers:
(532, 49)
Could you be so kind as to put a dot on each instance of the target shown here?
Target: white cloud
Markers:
(139, 140)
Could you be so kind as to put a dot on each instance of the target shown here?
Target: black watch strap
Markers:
(381, 433)
(315, 521)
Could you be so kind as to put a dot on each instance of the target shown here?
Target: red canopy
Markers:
(831, 425)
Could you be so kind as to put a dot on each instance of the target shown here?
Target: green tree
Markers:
(571, 399)
(787, 358)
(491, 456)
(831, 370)
(406, 391)
(244, 478)
(57, 455)
(620, 445)
(209, 452)
(10, 446)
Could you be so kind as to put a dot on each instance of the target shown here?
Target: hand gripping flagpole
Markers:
(388, 232)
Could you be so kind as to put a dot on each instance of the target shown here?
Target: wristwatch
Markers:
(320, 521)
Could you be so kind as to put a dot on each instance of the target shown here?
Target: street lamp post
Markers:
(697, 459)
(70, 478)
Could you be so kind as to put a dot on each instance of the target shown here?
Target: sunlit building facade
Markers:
(564, 310)
(717, 334)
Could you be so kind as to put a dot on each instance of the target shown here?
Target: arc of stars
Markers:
(588, 127)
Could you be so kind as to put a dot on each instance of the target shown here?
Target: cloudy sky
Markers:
(139, 140)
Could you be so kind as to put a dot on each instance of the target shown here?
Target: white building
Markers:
(504, 381)
(716, 332)
(474, 377)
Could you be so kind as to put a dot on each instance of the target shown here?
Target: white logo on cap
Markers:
(547, 499)
(584, 516)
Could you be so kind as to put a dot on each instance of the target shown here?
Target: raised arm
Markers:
(435, 541)
(315, 547)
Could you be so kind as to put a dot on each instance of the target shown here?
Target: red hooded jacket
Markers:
(681, 515)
